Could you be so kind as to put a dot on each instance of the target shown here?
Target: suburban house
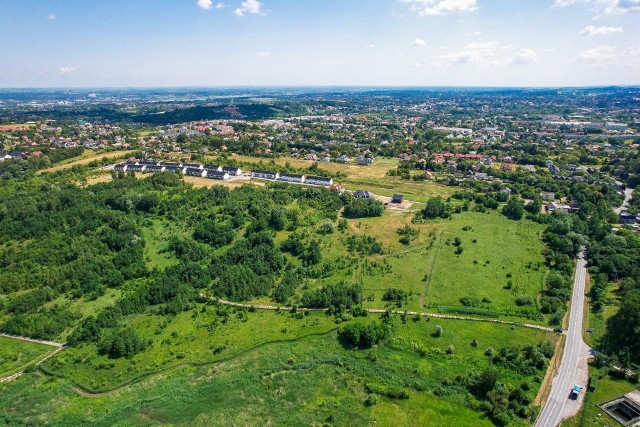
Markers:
(365, 161)
(397, 198)
(343, 158)
(289, 177)
(194, 172)
(154, 168)
(174, 169)
(231, 170)
(318, 180)
(213, 167)
(363, 194)
(171, 164)
(264, 174)
(548, 195)
(120, 167)
(136, 168)
(192, 165)
(147, 162)
(627, 218)
(215, 174)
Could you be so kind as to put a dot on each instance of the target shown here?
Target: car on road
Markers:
(575, 391)
(558, 330)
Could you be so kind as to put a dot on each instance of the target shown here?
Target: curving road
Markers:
(573, 368)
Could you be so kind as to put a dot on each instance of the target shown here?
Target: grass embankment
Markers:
(16, 354)
(308, 380)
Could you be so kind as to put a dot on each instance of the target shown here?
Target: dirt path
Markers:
(379, 310)
(23, 368)
(433, 258)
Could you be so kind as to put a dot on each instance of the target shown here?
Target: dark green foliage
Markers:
(363, 335)
(364, 245)
(514, 209)
(363, 208)
(214, 233)
(122, 343)
(186, 249)
(436, 207)
(339, 294)
(398, 296)
(407, 234)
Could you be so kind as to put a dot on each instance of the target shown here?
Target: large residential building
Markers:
(264, 174)
(318, 180)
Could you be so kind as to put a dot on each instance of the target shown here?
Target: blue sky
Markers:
(64, 43)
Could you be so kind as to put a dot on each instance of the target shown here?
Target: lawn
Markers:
(310, 380)
(15, 354)
(597, 322)
(156, 238)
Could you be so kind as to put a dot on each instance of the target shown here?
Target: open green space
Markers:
(311, 379)
(16, 354)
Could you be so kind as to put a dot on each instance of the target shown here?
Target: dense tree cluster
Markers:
(363, 208)
(363, 335)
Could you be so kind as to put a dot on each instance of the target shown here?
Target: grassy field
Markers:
(308, 380)
(88, 157)
(15, 354)
(496, 252)
(607, 388)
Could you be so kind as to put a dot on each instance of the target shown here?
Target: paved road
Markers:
(627, 200)
(574, 359)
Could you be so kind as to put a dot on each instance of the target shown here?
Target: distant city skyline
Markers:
(177, 43)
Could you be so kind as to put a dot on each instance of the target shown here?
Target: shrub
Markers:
(438, 331)
(524, 300)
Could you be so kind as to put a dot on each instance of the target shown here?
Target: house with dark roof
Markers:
(215, 174)
(171, 164)
(147, 162)
(194, 172)
(397, 198)
(213, 167)
(363, 194)
(318, 180)
(154, 168)
(172, 169)
(626, 218)
(192, 165)
(264, 174)
(232, 170)
(120, 167)
(290, 177)
(136, 168)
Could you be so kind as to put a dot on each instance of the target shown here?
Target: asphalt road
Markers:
(575, 354)
(627, 199)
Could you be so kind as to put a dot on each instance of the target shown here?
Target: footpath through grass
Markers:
(15, 354)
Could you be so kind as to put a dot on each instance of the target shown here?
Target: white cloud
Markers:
(525, 56)
(67, 70)
(249, 6)
(419, 43)
(604, 6)
(264, 54)
(477, 33)
(472, 53)
(441, 7)
(590, 30)
(220, 5)
(371, 46)
(204, 4)
(598, 54)
(51, 17)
